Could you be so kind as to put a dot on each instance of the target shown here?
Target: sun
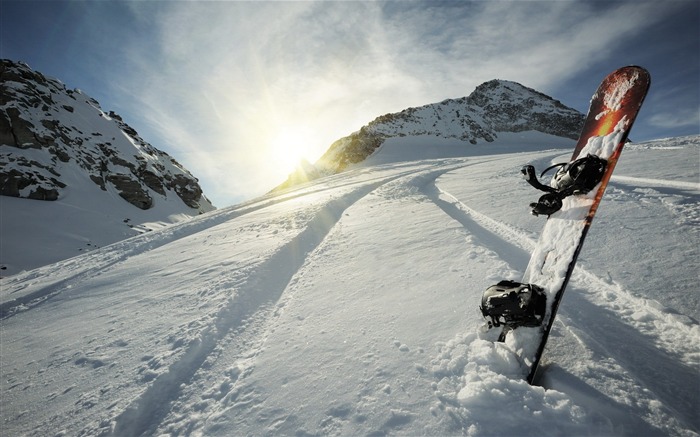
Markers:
(289, 147)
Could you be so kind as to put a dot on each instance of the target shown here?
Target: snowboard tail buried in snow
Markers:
(525, 311)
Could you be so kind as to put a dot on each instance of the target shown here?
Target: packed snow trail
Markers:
(125, 285)
(40, 284)
(350, 306)
(348, 312)
(264, 286)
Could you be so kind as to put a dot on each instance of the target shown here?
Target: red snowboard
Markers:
(613, 109)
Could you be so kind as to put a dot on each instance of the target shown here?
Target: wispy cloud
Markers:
(221, 80)
(677, 119)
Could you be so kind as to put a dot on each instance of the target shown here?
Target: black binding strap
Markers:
(531, 177)
(579, 177)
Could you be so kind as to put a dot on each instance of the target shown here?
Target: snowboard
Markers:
(613, 109)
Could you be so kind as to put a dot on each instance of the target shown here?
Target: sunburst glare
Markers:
(289, 147)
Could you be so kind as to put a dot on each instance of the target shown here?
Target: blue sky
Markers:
(237, 91)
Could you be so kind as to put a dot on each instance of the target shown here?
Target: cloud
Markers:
(676, 120)
(534, 42)
(222, 79)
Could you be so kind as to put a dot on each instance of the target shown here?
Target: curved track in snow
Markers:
(656, 347)
(349, 307)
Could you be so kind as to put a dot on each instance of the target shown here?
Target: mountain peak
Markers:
(494, 107)
(499, 90)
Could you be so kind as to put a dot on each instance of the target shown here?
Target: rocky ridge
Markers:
(493, 107)
(48, 131)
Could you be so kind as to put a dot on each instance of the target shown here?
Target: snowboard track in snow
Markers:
(71, 271)
(657, 183)
(146, 412)
(658, 337)
(61, 276)
(214, 379)
(259, 294)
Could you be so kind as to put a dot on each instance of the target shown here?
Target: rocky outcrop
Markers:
(355, 147)
(494, 107)
(511, 107)
(49, 133)
(131, 190)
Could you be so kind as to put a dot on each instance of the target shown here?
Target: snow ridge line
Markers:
(646, 316)
(265, 287)
(678, 335)
(595, 390)
(488, 237)
(504, 231)
(425, 178)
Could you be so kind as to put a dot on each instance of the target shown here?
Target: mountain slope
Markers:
(349, 307)
(58, 145)
(493, 109)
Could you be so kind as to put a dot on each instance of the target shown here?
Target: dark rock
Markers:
(14, 181)
(41, 193)
(152, 181)
(131, 190)
(21, 130)
(65, 146)
(189, 191)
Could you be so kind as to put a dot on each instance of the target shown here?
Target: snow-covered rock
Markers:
(494, 108)
(58, 145)
(47, 130)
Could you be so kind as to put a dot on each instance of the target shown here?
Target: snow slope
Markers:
(349, 306)
(74, 178)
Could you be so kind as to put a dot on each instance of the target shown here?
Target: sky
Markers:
(238, 92)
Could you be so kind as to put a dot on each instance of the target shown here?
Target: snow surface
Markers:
(79, 141)
(36, 233)
(349, 306)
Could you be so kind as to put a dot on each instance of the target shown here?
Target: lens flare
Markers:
(289, 147)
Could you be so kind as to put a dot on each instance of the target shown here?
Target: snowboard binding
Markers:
(576, 177)
(513, 304)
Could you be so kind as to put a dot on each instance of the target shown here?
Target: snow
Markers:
(603, 146)
(613, 100)
(76, 145)
(36, 233)
(349, 306)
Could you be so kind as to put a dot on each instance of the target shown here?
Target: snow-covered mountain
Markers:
(102, 181)
(493, 109)
(349, 306)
